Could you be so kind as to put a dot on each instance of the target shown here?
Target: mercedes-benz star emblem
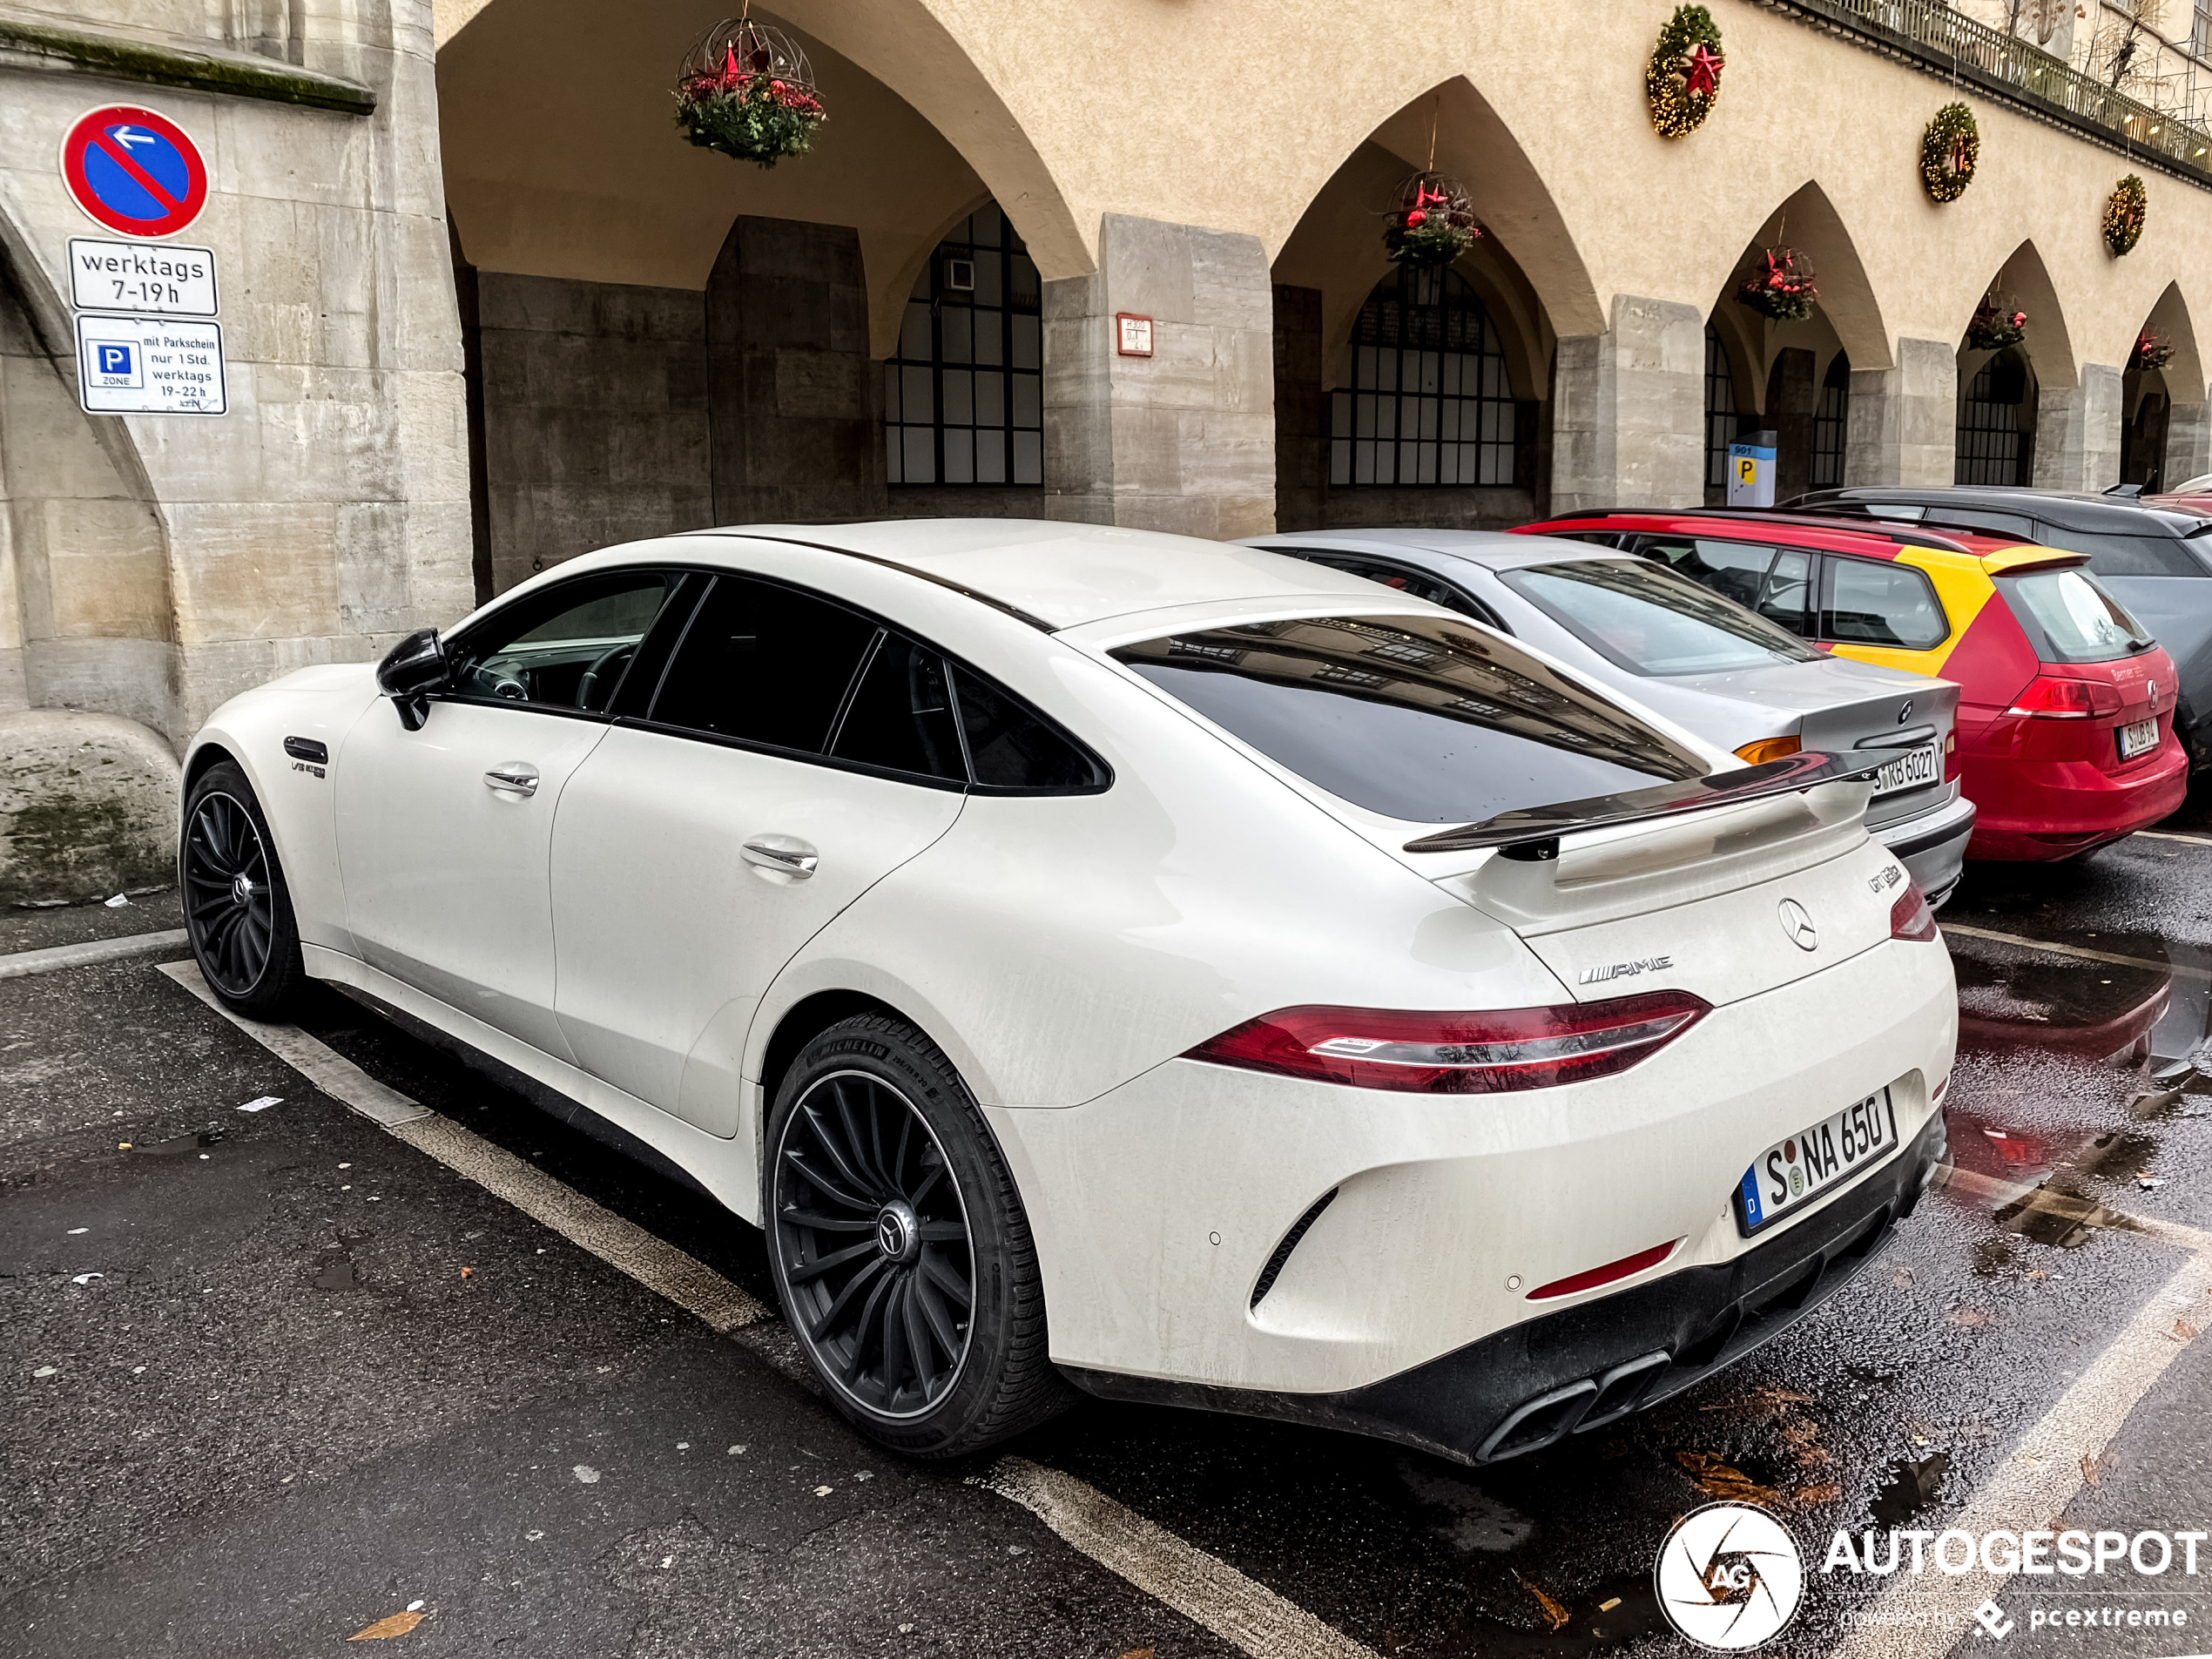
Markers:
(1905, 713)
(898, 1230)
(1798, 925)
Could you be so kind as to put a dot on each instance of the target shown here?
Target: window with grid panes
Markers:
(1429, 401)
(1990, 450)
(1828, 421)
(1720, 410)
(963, 397)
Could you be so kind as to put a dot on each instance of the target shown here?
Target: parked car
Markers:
(1742, 683)
(2153, 553)
(1121, 961)
(2066, 736)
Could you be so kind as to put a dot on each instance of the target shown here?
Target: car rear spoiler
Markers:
(1532, 834)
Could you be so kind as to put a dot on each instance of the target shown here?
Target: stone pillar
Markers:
(2078, 432)
(1902, 423)
(2188, 443)
(1301, 411)
(1628, 410)
(1790, 399)
(1181, 440)
(791, 393)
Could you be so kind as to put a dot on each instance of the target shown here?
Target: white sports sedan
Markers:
(1112, 961)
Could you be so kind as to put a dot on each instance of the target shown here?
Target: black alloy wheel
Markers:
(875, 1244)
(237, 910)
(899, 1247)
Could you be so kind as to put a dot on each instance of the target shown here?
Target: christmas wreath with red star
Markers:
(1682, 81)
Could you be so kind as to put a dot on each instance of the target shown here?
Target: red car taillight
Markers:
(1439, 1053)
(1910, 917)
(2051, 697)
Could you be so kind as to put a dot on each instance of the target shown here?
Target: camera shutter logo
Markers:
(1730, 1577)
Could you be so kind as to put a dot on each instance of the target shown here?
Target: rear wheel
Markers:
(900, 1248)
(237, 912)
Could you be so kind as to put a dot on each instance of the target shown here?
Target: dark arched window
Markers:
(1429, 401)
(1996, 446)
(1827, 421)
(963, 397)
(1720, 410)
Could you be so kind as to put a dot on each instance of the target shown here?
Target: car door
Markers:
(796, 753)
(444, 833)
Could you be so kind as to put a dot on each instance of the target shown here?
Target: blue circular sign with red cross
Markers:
(134, 172)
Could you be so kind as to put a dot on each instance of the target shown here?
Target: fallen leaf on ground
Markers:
(1799, 1432)
(398, 1625)
(1901, 1278)
(2184, 1330)
(466, 1271)
(1970, 1317)
(2093, 1471)
(1555, 1615)
(1138, 1653)
(1723, 1480)
(1827, 1491)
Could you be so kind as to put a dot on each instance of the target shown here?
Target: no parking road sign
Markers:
(134, 172)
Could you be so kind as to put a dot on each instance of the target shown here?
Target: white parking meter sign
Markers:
(149, 366)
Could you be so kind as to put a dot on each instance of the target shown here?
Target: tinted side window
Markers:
(901, 714)
(1011, 746)
(1416, 585)
(1872, 602)
(2117, 555)
(763, 663)
(566, 648)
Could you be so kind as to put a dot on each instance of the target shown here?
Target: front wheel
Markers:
(237, 912)
(900, 1248)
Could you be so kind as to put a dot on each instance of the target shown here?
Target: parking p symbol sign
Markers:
(113, 360)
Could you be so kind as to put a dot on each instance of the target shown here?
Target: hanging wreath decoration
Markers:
(1949, 150)
(1996, 324)
(2150, 352)
(748, 92)
(1779, 286)
(1433, 222)
(2125, 210)
(1682, 81)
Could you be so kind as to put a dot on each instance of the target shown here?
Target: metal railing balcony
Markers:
(1934, 37)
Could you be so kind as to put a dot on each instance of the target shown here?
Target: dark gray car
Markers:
(1725, 672)
(2156, 558)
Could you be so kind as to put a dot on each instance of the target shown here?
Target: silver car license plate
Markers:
(1924, 766)
(1790, 1174)
(2137, 737)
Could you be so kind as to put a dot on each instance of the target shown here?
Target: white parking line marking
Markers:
(1246, 1614)
(2041, 1477)
(53, 957)
(657, 1264)
(2183, 968)
(2169, 835)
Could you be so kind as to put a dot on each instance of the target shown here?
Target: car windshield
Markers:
(2079, 622)
(1651, 620)
(1419, 718)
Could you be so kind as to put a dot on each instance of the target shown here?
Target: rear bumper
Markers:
(1933, 846)
(1585, 1366)
(2033, 811)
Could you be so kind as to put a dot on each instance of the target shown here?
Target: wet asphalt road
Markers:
(319, 1378)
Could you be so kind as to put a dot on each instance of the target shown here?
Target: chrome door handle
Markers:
(785, 854)
(513, 777)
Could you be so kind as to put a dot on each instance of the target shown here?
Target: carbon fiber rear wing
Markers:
(1533, 832)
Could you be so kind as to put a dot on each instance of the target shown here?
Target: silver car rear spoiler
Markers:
(1533, 832)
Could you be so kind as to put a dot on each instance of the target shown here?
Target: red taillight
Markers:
(2053, 696)
(1910, 917)
(1439, 1053)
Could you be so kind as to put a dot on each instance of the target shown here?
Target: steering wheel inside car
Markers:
(605, 670)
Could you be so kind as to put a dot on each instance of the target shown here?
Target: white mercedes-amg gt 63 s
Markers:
(1113, 961)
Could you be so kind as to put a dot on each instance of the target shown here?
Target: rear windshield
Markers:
(2111, 553)
(1419, 718)
(1651, 620)
(2071, 619)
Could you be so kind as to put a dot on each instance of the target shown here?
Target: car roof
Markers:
(1822, 531)
(1055, 576)
(2078, 509)
(1494, 550)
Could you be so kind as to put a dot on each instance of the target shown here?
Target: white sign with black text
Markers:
(149, 366)
(147, 278)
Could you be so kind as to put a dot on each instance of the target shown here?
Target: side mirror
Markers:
(416, 668)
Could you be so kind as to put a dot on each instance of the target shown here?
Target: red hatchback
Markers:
(2065, 738)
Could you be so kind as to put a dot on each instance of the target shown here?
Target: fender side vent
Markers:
(1276, 1263)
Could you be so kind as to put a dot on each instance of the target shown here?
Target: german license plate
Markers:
(2137, 737)
(1790, 1174)
(1924, 766)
